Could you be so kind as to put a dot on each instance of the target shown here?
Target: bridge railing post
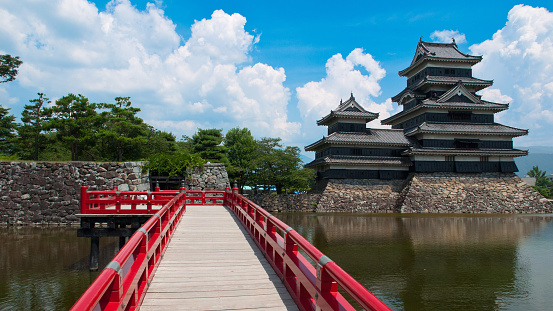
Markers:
(84, 199)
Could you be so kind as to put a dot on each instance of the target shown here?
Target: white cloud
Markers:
(343, 76)
(494, 95)
(359, 73)
(445, 36)
(6, 100)
(519, 58)
(69, 46)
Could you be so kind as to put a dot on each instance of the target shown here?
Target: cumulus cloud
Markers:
(494, 95)
(342, 77)
(445, 36)
(519, 57)
(359, 73)
(206, 80)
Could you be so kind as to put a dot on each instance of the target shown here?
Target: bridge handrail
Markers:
(312, 284)
(311, 288)
(114, 201)
(125, 279)
(207, 197)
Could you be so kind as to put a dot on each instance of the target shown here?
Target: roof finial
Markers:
(453, 39)
(352, 96)
(420, 39)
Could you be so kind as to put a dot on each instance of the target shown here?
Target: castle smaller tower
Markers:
(353, 151)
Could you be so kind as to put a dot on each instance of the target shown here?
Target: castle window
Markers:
(357, 151)
(459, 115)
(467, 143)
(484, 159)
(450, 158)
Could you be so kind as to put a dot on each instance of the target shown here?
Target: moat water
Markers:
(413, 262)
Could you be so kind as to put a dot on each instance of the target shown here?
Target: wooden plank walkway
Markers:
(212, 263)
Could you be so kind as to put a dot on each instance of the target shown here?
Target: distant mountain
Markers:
(541, 156)
(305, 159)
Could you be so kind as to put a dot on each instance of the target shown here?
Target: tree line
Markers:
(543, 185)
(75, 129)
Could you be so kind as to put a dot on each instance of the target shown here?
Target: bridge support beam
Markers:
(94, 251)
(95, 226)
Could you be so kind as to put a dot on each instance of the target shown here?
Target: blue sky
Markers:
(272, 67)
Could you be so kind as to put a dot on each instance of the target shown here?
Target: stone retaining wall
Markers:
(360, 195)
(49, 192)
(213, 176)
(286, 202)
(420, 193)
(471, 193)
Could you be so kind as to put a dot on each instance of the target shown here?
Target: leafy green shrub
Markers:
(172, 164)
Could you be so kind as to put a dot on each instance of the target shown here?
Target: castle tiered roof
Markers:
(457, 98)
(466, 129)
(439, 52)
(361, 161)
(429, 81)
(348, 110)
(373, 137)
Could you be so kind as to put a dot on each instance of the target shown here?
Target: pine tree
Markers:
(7, 131)
(207, 143)
(74, 119)
(123, 127)
(34, 120)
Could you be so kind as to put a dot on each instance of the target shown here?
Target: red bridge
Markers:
(212, 250)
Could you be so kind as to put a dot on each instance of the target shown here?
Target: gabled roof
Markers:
(349, 109)
(467, 129)
(361, 161)
(466, 152)
(406, 95)
(432, 103)
(479, 84)
(376, 137)
(438, 52)
(458, 91)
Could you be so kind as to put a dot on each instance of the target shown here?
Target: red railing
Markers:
(313, 283)
(196, 197)
(124, 202)
(123, 283)
(312, 286)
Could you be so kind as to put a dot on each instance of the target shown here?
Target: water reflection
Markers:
(45, 268)
(435, 262)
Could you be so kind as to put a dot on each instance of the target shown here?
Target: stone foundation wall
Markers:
(49, 192)
(360, 195)
(286, 202)
(420, 193)
(471, 193)
(213, 176)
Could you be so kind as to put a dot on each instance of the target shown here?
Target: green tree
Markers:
(8, 67)
(7, 131)
(538, 174)
(176, 164)
(158, 142)
(241, 147)
(543, 185)
(30, 134)
(75, 121)
(122, 127)
(279, 167)
(207, 143)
